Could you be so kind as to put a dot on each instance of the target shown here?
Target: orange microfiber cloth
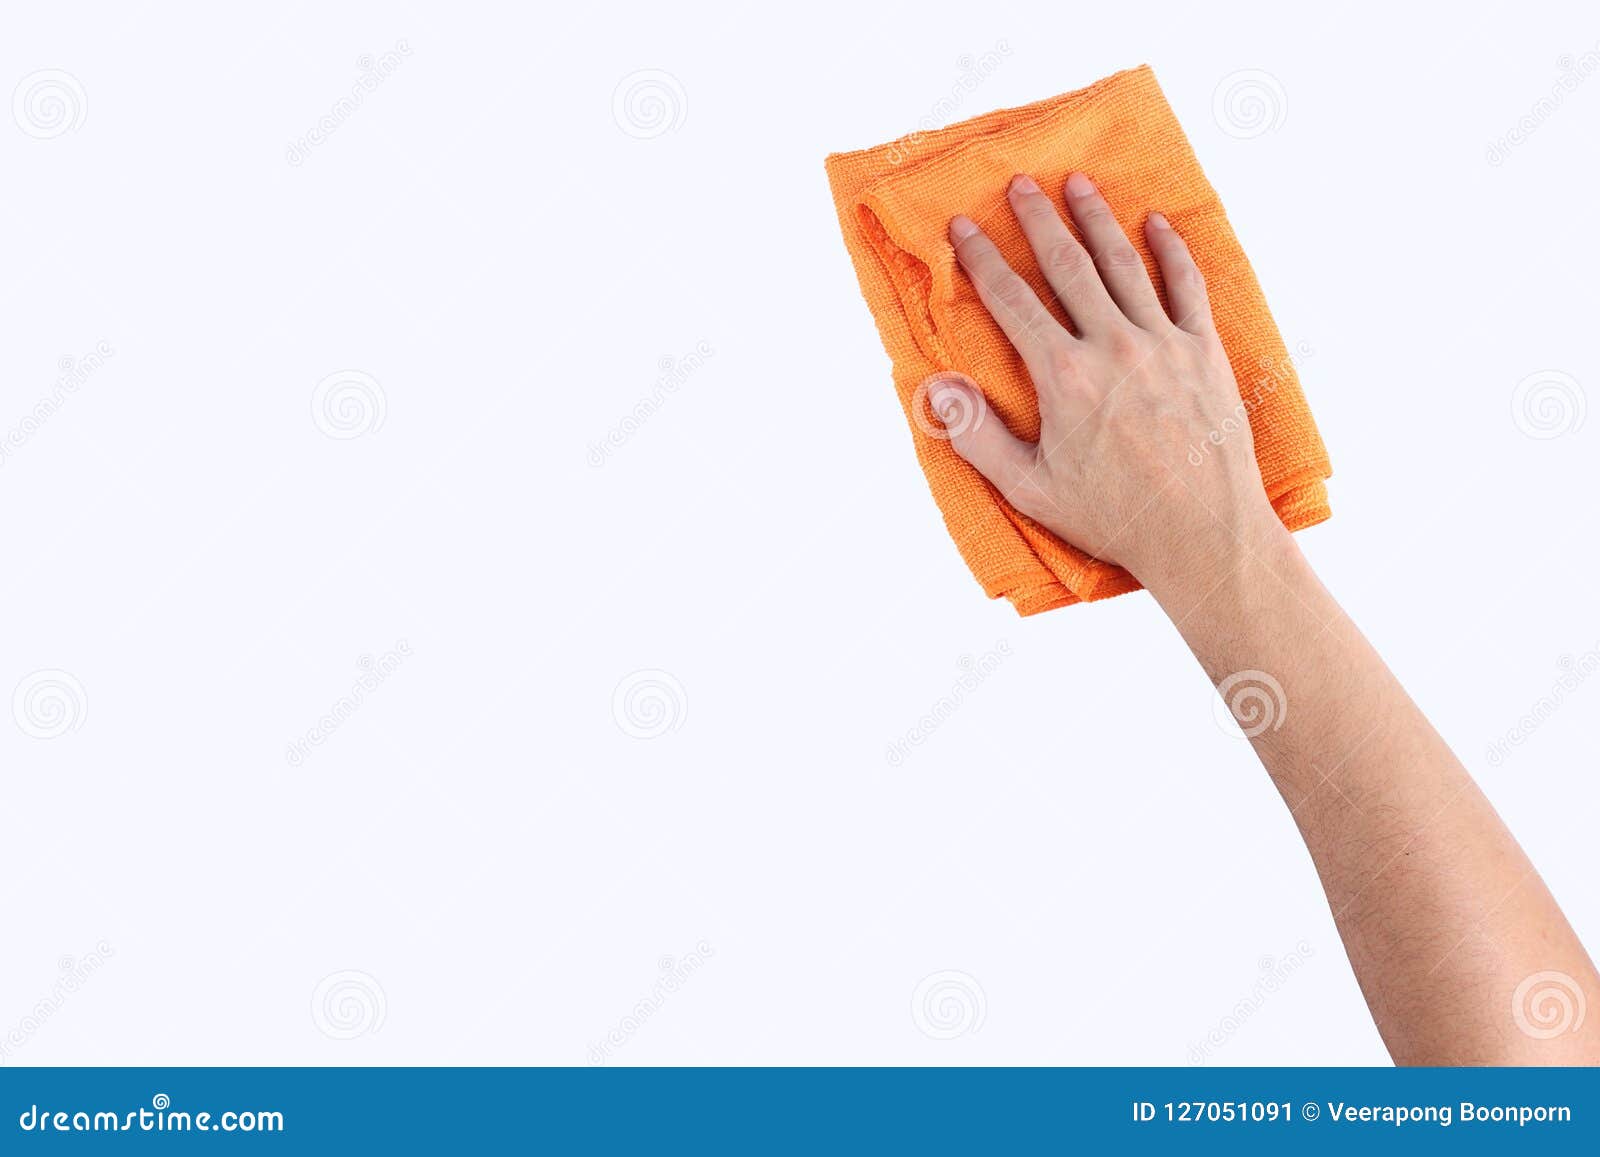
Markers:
(895, 203)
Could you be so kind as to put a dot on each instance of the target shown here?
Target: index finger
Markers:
(1009, 299)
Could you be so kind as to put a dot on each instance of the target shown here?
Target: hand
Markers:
(1121, 403)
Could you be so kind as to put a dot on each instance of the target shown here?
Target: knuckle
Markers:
(1122, 257)
(1067, 257)
(1123, 343)
(1062, 362)
(1094, 211)
(1010, 291)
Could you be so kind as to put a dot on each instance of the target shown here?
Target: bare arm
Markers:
(1462, 953)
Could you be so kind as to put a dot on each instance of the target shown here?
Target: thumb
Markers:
(980, 437)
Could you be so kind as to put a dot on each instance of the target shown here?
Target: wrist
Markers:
(1215, 558)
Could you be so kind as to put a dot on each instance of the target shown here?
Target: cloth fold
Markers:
(895, 202)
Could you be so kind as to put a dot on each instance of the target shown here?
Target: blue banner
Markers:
(811, 1110)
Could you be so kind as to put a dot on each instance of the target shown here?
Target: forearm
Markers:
(1445, 921)
(1441, 913)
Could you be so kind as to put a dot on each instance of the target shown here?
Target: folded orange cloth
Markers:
(895, 203)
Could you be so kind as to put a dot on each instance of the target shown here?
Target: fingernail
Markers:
(961, 228)
(1079, 185)
(946, 402)
(1159, 221)
(1022, 183)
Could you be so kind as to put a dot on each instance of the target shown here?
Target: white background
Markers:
(511, 259)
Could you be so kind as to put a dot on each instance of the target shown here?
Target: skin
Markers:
(1462, 953)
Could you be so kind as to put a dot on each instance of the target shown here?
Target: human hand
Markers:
(1121, 403)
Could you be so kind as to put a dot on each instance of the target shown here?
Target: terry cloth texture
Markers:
(895, 203)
